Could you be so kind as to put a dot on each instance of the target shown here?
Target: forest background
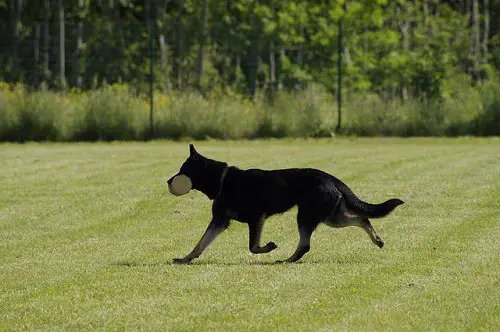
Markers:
(231, 69)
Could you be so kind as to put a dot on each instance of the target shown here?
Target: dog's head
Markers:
(193, 167)
(204, 173)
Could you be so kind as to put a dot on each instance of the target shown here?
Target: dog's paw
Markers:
(282, 261)
(380, 243)
(271, 246)
(180, 261)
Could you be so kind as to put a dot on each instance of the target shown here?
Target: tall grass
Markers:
(190, 114)
(111, 113)
(119, 113)
(307, 113)
(34, 116)
(487, 121)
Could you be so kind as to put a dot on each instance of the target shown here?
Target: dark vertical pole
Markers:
(151, 69)
(339, 83)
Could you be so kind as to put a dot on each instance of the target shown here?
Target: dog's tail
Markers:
(372, 210)
(359, 207)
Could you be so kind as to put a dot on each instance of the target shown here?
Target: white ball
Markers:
(181, 185)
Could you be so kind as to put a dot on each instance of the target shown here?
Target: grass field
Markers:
(88, 232)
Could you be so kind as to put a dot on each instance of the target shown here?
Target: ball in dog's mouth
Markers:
(181, 184)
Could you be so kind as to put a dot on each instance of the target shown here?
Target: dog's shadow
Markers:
(132, 264)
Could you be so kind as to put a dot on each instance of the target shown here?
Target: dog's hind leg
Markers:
(367, 226)
(308, 218)
(311, 212)
(255, 230)
(343, 218)
(305, 232)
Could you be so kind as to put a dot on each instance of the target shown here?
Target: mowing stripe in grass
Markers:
(93, 249)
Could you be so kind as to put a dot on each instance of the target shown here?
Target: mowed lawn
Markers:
(88, 232)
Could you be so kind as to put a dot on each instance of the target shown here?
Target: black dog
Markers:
(251, 196)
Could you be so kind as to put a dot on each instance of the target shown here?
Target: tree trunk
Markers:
(161, 36)
(475, 40)
(151, 21)
(486, 32)
(425, 8)
(339, 82)
(46, 41)
(300, 53)
(237, 66)
(280, 74)
(62, 55)
(36, 44)
(272, 69)
(180, 47)
(163, 50)
(119, 24)
(15, 10)
(272, 58)
(252, 62)
(404, 27)
(203, 34)
(79, 47)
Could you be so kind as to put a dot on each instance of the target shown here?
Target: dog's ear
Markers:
(192, 150)
(193, 154)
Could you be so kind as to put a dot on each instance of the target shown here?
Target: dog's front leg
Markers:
(255, 230)
(216, 226)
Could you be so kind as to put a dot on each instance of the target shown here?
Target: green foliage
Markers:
(306, 113)
(32, 116)
(488, 121)
(396, 49)
(410, 68)
(118, 112)
(193, 115)
(111, 113)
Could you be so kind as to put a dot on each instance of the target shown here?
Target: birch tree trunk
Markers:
(404, 27)
(79, 47)
(162, 41)
(475, 40)
(203, 35)
(180, 47)
(486, 32)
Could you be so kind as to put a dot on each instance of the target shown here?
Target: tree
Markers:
(62, 44)
(180, 46)
(486, 32)
(475, 55)
(15, 7)
(203, 36)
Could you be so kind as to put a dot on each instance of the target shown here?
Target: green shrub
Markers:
(119, 113)
(112, 112)
(487, 121)
(306, 113)
(192, 115)
(9, 119)
(32, 116)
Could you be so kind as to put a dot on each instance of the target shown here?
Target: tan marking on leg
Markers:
(367, 226)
